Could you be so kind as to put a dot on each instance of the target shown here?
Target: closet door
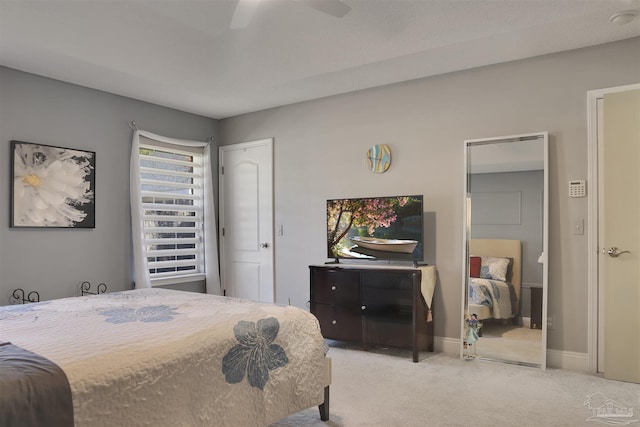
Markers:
(621, 243)
(246, 220)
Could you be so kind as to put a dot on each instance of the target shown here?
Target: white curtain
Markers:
(141, 271)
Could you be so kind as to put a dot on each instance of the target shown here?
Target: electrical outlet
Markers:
(550, 322)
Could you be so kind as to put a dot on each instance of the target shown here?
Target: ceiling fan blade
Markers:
(331, 7)
(243, 13)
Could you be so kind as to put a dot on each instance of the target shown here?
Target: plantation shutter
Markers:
(172, 209)
(172, 212)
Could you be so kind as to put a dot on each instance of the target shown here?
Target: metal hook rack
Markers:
(85, 288)
(19, 295)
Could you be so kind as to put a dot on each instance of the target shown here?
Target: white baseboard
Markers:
(446, 345)
(568, 360)
(555, 358)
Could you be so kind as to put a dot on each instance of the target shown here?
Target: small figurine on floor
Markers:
(471, 335)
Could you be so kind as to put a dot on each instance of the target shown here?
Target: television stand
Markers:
(372, 306)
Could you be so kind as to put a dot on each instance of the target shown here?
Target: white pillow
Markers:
(494, 268)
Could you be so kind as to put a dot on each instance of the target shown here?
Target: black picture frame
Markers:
(51, 186)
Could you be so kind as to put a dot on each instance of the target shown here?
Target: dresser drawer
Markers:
(335, 287)
(338, 323)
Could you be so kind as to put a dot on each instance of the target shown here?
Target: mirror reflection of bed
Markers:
(506, 334)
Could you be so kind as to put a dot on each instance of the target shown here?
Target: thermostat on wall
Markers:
(577, 188)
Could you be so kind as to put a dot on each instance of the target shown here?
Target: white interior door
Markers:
(620, 232)
(246, 220)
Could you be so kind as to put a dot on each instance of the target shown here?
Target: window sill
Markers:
(178, 279)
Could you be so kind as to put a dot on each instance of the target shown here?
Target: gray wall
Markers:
(35, 109)
(320, 146)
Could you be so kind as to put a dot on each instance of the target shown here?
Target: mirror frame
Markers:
(544, 137)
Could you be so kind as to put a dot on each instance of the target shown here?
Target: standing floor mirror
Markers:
(505, 249)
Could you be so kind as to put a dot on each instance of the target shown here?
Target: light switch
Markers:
(578, 227)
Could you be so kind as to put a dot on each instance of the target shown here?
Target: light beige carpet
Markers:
(385, 388)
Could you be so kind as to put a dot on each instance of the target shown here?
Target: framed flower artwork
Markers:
(52, 187)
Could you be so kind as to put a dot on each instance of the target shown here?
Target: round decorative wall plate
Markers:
(378, 158)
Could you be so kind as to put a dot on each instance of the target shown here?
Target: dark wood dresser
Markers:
(373, 306)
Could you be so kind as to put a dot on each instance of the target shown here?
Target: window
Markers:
(172, 209)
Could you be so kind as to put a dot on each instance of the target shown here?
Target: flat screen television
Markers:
(376, 228)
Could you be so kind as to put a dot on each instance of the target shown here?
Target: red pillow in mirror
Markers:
(474, 266)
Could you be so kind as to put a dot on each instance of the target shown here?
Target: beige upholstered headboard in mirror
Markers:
(503, 249)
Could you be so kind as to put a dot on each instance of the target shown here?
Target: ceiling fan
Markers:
(246, 8)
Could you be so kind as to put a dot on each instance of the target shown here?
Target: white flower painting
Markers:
(52, 186)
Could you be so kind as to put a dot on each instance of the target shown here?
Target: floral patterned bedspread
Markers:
(156, 357)
(495, 294)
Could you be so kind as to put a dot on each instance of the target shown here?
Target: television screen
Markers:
(376, 228)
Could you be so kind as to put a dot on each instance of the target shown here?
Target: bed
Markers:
(494, 292)
(157, 357)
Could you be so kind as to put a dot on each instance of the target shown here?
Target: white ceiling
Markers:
(183, 54)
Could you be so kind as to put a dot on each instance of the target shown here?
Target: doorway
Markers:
(597, 241)
(246, 220)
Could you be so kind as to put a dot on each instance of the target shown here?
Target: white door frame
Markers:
(593, 218)
(221, 198)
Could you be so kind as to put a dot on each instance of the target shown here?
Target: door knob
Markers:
(264, 245)
(613, 252)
